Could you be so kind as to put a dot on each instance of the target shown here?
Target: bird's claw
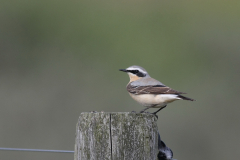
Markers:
(154, 114)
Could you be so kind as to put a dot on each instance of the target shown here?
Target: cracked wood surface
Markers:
(116, 136)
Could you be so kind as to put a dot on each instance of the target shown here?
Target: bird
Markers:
(150, 92)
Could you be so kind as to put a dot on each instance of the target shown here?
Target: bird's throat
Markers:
(133, 78)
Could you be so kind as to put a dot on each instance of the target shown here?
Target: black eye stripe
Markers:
(133, 71)
(139, 74)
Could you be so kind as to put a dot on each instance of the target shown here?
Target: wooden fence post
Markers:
(116, 136)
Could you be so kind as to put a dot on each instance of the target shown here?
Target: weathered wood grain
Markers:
(116, 136)
(134, 136)
(93, 137)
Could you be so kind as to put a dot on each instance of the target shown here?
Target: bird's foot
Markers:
(155, 115)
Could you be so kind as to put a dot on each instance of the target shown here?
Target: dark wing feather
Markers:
(158, 89)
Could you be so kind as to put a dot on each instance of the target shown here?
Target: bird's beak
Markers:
(124, 70)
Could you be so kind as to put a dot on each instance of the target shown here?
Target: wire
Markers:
(35, 150)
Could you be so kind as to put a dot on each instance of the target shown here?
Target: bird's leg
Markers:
(159, 110)
(145, 109)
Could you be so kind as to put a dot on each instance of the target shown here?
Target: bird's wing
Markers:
(157, 89)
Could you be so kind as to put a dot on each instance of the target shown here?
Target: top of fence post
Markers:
(116, 136)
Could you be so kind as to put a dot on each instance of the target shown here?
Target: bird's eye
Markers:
(135, 71)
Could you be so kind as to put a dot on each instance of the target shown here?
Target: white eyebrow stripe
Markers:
(136, 69)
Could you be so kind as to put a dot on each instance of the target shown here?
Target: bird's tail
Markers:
(185, 98)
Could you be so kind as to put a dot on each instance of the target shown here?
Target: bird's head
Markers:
(135, 72)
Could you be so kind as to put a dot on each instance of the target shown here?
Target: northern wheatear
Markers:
(150, 92)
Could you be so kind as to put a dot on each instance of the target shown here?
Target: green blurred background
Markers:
(61, 58)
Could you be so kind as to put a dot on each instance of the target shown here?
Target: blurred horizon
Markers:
(61, 58)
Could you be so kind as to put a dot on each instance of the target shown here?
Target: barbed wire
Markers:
(35, 150)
